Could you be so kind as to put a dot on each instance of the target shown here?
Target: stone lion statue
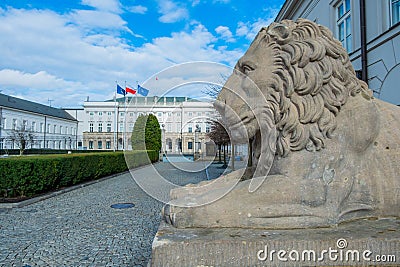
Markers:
(324, 150)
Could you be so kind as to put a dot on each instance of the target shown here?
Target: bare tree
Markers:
(218, 132)
(212, 90)
(220, 137)
(22, 137)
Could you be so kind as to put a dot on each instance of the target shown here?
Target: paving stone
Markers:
(79, 228)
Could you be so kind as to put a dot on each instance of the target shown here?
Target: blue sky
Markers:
(68, 50)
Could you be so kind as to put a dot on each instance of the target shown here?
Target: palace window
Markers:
(3, 123)
(207, 128)
(344, 24)
(108, 127)
(90, 144)
(190, 145)
(395, 11)
(100, 144)
(100, 127)
(169, 144)
(108, 144)
(91, 127)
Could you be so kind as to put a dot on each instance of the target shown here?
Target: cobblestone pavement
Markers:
(79, 228)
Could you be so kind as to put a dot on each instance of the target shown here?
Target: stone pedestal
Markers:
(363, 242)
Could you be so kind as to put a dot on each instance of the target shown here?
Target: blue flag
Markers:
(120, 90)
(143, 91)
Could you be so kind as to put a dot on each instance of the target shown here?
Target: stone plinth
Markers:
(363, 242)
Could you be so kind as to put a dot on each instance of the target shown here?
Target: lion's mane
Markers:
(312, 79)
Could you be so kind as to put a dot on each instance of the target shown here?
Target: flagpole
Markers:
(137, 92)
(124, 133)
(115, 117)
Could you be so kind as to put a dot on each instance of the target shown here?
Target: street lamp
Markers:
(201, 146)
(162, 140)
(181, 142)
(196, 140)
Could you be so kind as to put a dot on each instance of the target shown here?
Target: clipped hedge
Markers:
(47, 151)
(32, 175)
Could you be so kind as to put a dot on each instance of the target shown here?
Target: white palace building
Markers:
(107, 125)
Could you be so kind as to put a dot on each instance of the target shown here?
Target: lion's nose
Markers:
(220, 105)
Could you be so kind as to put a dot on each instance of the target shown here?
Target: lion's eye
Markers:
(246, 69)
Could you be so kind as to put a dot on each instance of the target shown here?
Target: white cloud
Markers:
(137, 9)
(38, 80)
(186, 79)
(221, 1)
(94, 19)
(104, 5)
(195, 2)
(103, 40)
(192, 46)
(242, 29)
(249, 30)
(225, 33)
(171, 11)
(45, 50)
(41, 86)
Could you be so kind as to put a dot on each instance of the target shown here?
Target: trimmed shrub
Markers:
(146, 133)
(32, 175)
(41, 151)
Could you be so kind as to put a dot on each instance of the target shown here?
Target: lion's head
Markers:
(295, 77)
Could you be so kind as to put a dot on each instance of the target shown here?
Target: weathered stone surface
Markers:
(241, 247)
(325, 151)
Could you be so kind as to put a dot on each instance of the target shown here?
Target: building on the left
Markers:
(53, 128)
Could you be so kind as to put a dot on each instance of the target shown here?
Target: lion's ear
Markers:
(280, 32)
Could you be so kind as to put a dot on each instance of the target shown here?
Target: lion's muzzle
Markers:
(236, 115)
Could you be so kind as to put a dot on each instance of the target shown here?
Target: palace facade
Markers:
(108, 125)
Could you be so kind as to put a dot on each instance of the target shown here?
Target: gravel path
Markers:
(79, 228)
